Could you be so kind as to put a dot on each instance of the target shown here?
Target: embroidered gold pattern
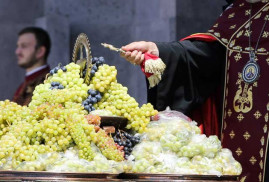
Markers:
(239, 34)
(232, 43)
(239, 151)
(247, 12)
(224, 40)
(255, 84)
(261, 152)
(249, 48)
(242, 4)
(237, 48)
(243, 101)
(257, 114)
(211, 30)
(253, 160)
(262, 141)
(237, 57)
(266, 9)
(261, 50)
(232, 27)
(217, 34)
(231, 15)
(248, 24)
(225, 125)
(247, 33)
(267, 106)
(260, 177)
(240, 117)
(265, 34)
(246, 135)
(232, 134)
(229, 112)
(216, 25)
(258, 16)
(261, 164)
(266, 17)
(265, 128)
(239, 80)
(266, 117)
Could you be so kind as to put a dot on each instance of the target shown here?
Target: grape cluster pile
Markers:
(126, 140)
(94, 97)
(54, 121)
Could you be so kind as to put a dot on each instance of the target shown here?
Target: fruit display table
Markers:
(52, 176)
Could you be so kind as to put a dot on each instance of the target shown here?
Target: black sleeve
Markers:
(193, 72)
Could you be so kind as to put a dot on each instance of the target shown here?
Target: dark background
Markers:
(116, 22)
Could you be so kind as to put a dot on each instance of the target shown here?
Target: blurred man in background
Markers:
(33, 47)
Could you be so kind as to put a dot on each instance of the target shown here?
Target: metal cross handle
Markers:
(111, 47)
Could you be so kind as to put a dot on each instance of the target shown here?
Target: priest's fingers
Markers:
(139, 58)
(129, 56)
(139, 46)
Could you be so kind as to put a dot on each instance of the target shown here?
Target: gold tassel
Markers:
(154, 80)
(154, 66)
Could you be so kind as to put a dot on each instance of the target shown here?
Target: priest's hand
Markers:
(134, 52)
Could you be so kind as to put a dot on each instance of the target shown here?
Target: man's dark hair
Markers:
(42, 37)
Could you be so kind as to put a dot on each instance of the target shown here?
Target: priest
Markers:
(220, 78)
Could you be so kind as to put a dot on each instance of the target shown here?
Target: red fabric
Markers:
(206, 115)
(142, 65)
(200, 36)
(23, 94)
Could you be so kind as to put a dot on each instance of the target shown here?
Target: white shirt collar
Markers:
(36, 70)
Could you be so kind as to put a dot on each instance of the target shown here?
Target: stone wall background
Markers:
(112, 21)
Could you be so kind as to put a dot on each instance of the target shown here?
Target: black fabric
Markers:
(193, 73)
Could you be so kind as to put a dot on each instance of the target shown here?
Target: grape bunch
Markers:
(96, 63)
(119, 102)
(103, 78)
(94, 97)
(61, 87)
(126, 140)
(107, 146)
